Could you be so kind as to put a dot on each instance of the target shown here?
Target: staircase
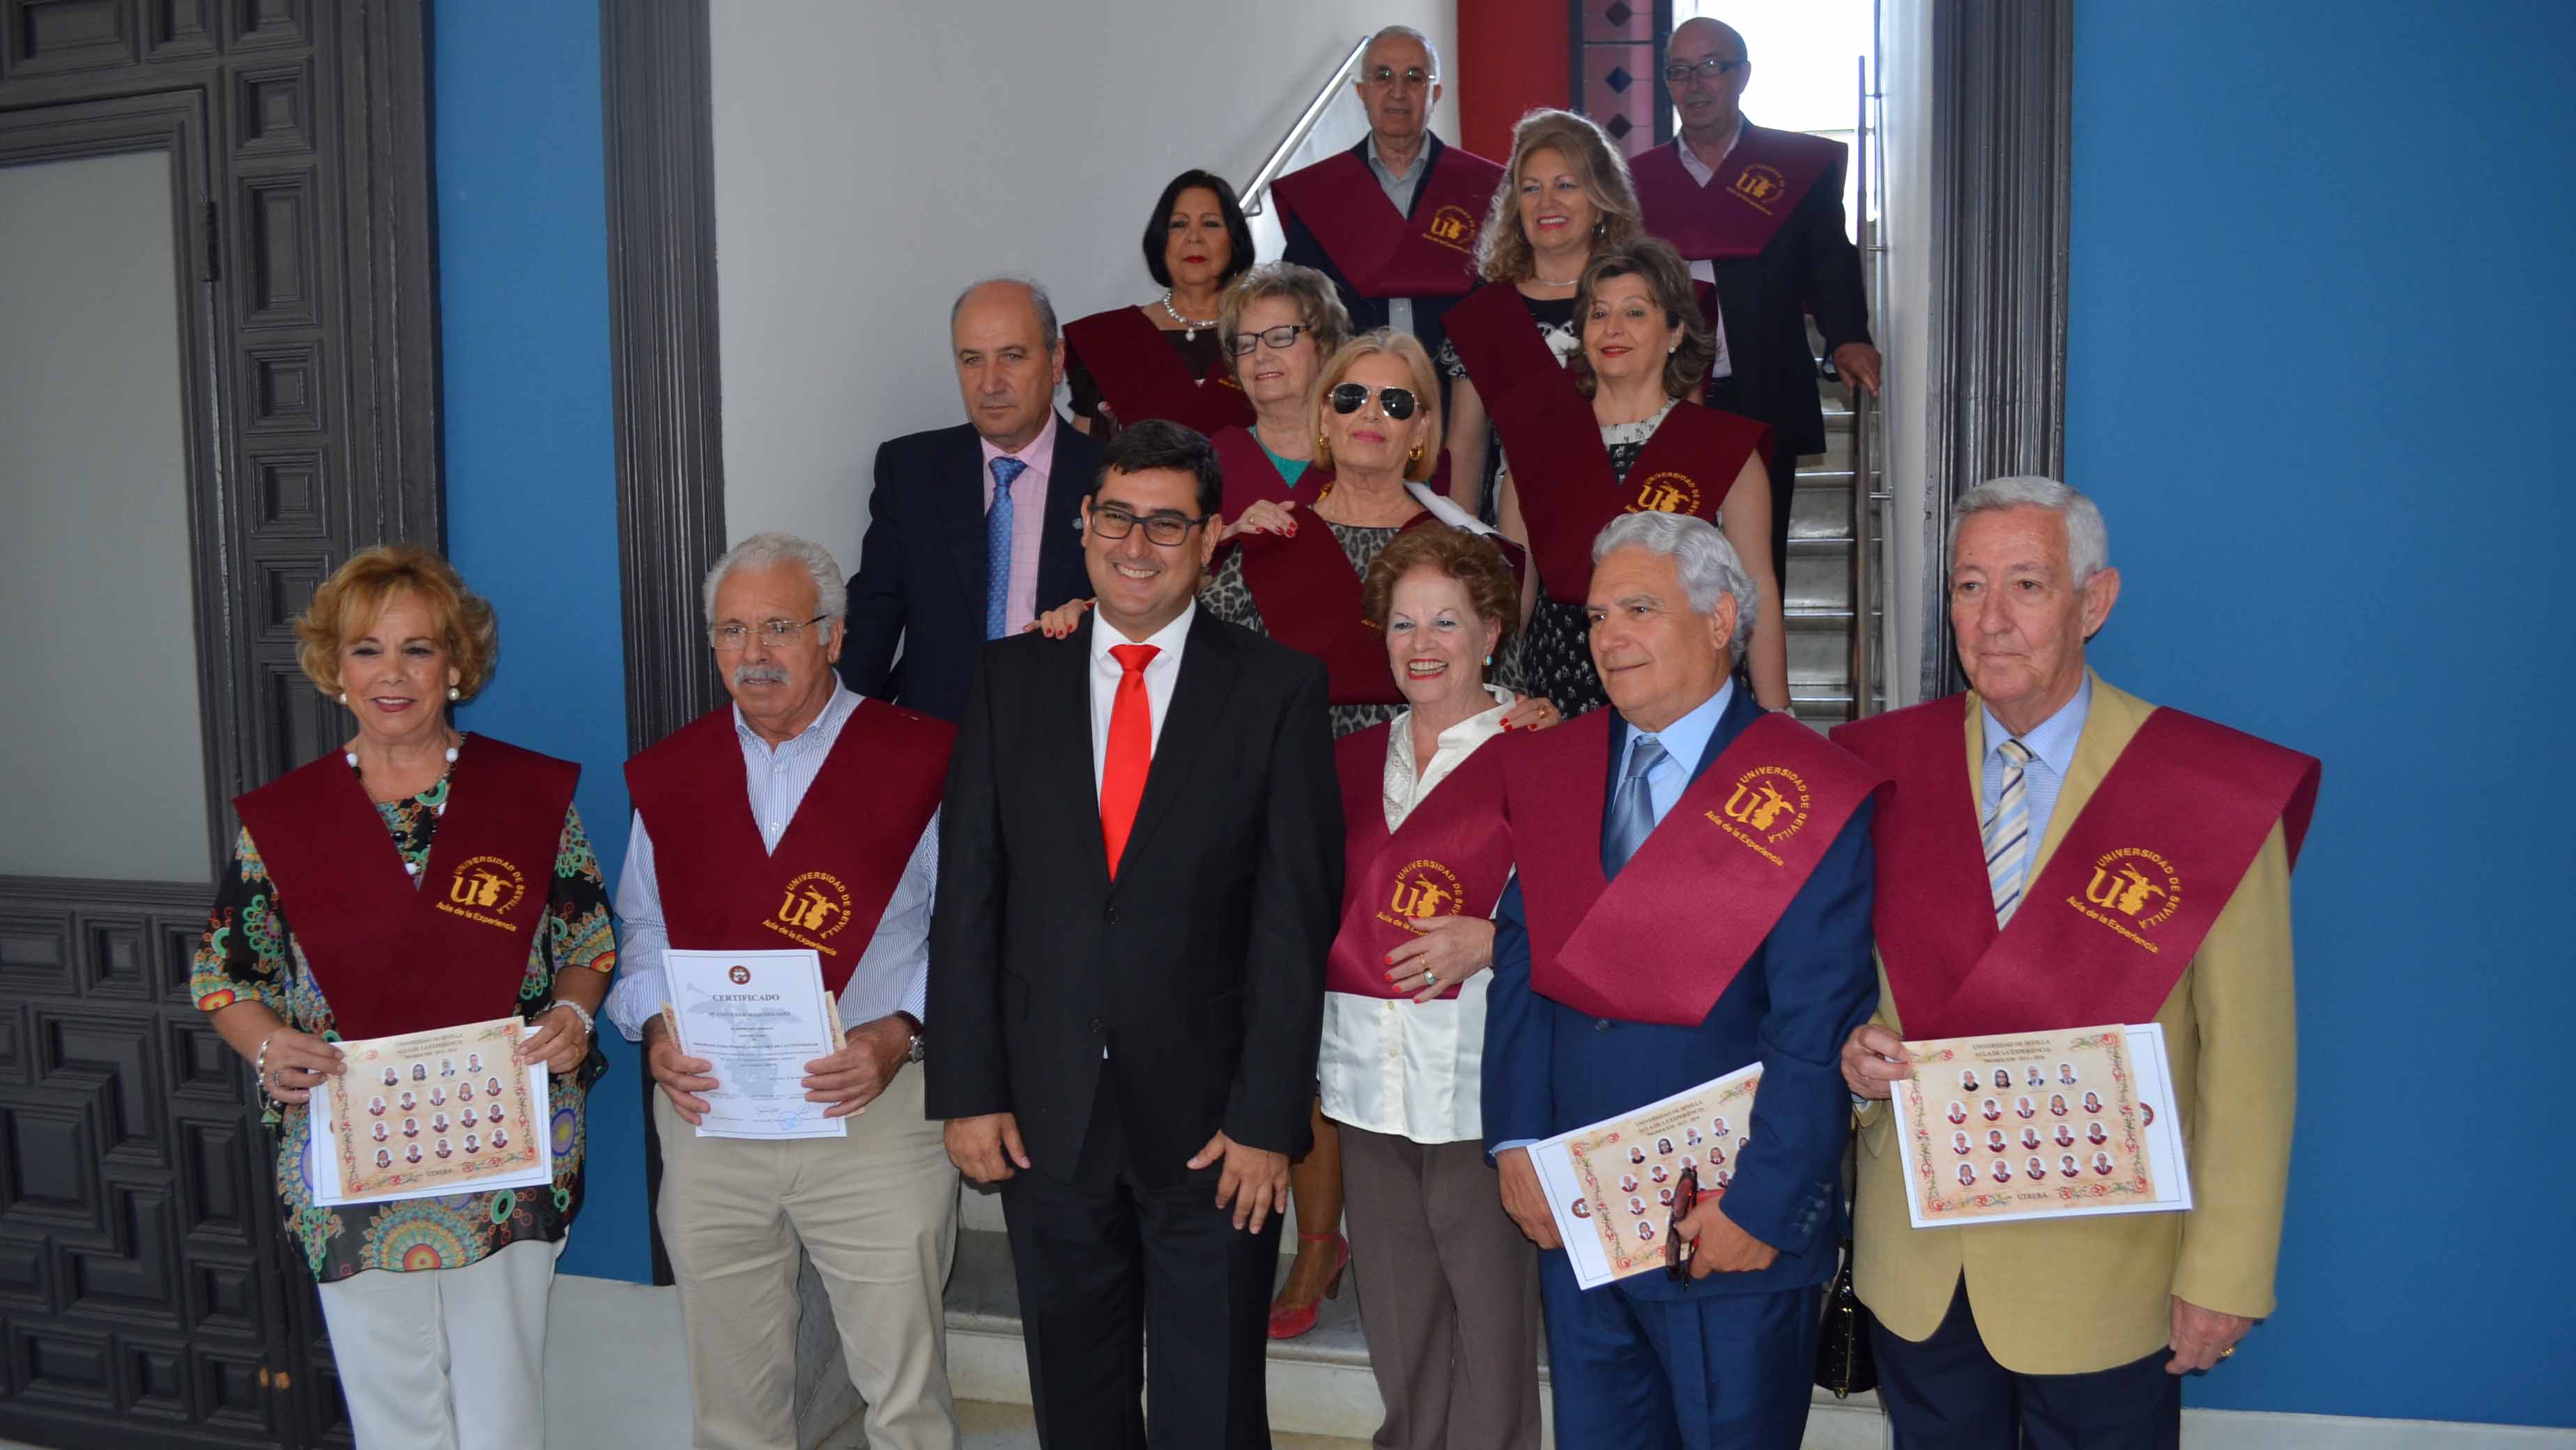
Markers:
(1816, 597)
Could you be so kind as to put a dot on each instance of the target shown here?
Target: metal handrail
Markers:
(1864, 504)
(1256, 193)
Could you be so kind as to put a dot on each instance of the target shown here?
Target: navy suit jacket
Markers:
(1298, 245)
(920, 583)
(1549, 1068)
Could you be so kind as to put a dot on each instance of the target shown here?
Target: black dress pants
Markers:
(1131, 1278)
(1947, 1393)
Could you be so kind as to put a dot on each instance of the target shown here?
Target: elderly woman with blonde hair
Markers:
(335, 923)
(1279, 322)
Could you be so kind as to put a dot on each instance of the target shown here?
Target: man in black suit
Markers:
(1759, 213)
(971, 529)
(1127, 963)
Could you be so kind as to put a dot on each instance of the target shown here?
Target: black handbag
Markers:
(1844, 1362)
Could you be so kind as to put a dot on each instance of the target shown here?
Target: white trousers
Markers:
(446, 1359)
(877, 1213)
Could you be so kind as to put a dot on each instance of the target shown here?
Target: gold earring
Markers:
(1416, 455)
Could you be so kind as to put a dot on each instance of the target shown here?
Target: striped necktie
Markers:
(2008, 832)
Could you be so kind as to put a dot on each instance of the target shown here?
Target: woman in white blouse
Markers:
(1451, 1309)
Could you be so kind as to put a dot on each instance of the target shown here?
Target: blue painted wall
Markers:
(531, 464)
(2321, 285)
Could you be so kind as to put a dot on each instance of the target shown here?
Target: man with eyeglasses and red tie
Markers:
(1127, 965)
(1394, 220)
(1759, 214)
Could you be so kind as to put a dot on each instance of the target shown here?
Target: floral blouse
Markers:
(249, 953)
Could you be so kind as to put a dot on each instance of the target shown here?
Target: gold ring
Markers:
(2228, 1353)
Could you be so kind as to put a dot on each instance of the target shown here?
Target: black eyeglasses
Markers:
(1679, 73)
(1396, 402)
(1280, 338)
(1112, 522)
(1678, 1249)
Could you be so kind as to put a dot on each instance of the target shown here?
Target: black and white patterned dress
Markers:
(1556, 657)
(1554, 318)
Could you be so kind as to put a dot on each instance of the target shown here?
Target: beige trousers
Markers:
(877, 1213)
(445, 1359)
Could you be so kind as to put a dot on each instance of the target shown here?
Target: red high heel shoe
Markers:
(1287, 1321)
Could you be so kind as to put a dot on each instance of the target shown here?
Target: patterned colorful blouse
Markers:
(250, 954)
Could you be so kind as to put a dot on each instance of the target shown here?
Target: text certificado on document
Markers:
(757, 1018)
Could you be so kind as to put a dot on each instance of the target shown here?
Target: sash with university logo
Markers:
(1141, 377)
(395, 958)
(1567, 490)
(1451, 857)
(1744, 204)
(1381, 252)
(838, 862)
(2108, 926)
(1664, 941)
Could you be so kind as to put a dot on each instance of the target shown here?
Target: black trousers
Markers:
(1125, 1256)
(1947, 1393)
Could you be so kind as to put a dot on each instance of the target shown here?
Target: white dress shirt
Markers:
(1704, 270)
(891, 975)
(1162, 672)
(1389, 1064)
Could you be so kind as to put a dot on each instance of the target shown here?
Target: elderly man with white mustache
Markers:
(798, 777)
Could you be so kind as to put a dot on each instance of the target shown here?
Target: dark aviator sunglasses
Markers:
(1396, 402)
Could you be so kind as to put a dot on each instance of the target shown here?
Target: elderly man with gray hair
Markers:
(800, 816)
(1693, 897)
(2060, 854)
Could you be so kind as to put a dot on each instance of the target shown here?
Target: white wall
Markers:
(873, 159)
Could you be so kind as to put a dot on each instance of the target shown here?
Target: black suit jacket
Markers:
(1299, 246)
(920, 583)
(1809, 266)
(1200, 969)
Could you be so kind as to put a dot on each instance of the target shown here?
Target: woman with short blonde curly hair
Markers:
(489, 904)
(1565, 198)
(1279, 322)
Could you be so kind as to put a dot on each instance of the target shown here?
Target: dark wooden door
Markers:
(148, 1294)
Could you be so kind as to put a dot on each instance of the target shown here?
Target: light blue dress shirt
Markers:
(2052, 748)
(1399, 189)
(1684, 742)
(892, 975)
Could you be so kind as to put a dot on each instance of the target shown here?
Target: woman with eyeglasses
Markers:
(1625, 439)
(1280, 322)
(1564, 198)
(335, 922)
(1166, 358)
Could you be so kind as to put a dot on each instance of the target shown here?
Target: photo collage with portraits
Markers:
(431, 1113)
(1612, 1184)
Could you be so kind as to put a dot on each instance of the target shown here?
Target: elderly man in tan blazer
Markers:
(2012, 807)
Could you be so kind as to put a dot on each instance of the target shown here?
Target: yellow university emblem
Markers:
(1423, 888)
(484, 889)
(1452, 227)
(1768, 805)
(814, 909)
(1665, 493)
(2132, 891)
(1760, 187)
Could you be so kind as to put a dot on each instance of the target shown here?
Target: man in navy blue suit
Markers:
(973, 529)
(1693, 897)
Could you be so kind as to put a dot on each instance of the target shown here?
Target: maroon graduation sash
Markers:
(827, 884)
(1502, 347)
(392, 957)
(1380, 251)
(1251, 476)
(1567, 490)
(1451, 857)
(1741, 209)
(1745, 836)
(2110, 923)
(1141, 377)
(1309, 598)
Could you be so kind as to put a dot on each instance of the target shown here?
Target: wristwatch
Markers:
(913, 1051)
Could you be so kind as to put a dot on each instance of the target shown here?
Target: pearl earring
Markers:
(342, 697)
(454, 693)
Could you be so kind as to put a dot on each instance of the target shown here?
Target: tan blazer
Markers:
(2067, 1296)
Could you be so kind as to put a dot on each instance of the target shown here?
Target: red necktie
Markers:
(1131, 751)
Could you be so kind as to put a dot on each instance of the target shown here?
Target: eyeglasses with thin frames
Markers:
(1112, 522)
(776, 633)
(1414, 77)
(1713, 68)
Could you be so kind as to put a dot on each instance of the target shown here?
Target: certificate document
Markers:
(2040, 1125)
(758, 1018)
(1610, 1184)
(431, 1114)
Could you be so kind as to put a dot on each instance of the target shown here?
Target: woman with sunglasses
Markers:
(1625, 439)
(1564, 199)
(1280, 322)
(1164, 359)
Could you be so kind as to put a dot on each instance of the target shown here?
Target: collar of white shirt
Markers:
(1408, 782)
(1167, 640)
(1701, 171)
